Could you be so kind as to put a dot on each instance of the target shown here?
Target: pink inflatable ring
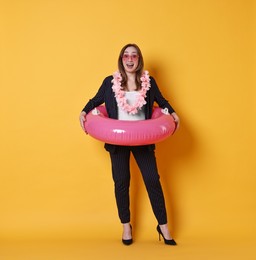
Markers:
(129, 133)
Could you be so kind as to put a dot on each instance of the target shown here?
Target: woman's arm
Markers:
(163, 103)
(97, 100)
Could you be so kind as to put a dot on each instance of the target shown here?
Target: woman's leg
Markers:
(146, 161)
(120, 161)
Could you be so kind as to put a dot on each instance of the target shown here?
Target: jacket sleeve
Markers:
(98, 99)
(158, 97)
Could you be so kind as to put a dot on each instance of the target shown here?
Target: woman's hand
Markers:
(82, 119)
(176, 120)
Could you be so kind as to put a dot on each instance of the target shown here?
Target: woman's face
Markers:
(130, 59)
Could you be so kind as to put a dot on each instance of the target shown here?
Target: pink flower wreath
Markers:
(120, 94)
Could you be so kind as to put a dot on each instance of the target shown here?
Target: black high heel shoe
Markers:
(166, 241)
(128, 242)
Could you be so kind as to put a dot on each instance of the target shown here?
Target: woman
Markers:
(129, 95)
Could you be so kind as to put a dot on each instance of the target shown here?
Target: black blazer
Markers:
(106, 95)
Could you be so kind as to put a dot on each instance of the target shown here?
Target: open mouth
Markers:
(129, 65)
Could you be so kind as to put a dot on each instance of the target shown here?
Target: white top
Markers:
(131, 97)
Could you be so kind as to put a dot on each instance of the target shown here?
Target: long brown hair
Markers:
(138, 70)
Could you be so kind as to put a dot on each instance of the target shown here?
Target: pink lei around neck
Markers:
(120, 93)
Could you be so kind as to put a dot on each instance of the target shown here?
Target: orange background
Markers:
(55, 181)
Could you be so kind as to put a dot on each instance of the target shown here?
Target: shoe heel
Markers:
(170, 242)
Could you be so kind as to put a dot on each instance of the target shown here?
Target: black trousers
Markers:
(146, 161)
